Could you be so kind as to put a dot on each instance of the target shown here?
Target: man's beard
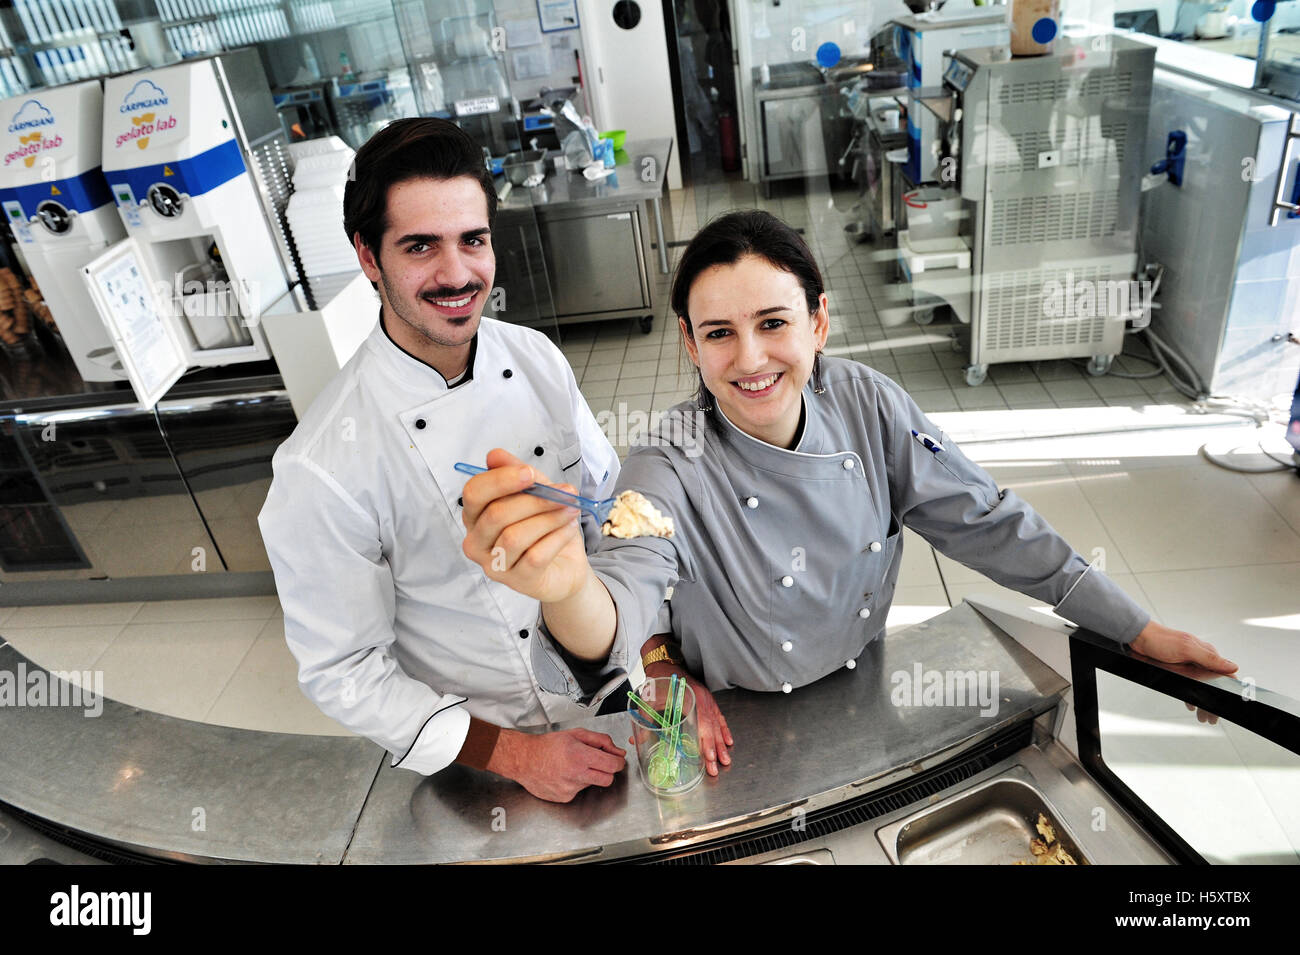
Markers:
(413, 321)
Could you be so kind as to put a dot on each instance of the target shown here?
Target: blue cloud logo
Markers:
(31, 115)
(146, 94)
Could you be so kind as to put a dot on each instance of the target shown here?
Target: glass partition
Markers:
(340, 68)
(1233, 795)
(955, 208)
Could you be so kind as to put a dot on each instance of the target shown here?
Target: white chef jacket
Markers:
(398, 635)
(783, 562)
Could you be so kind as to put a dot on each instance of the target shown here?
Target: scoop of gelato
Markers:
(634, 516)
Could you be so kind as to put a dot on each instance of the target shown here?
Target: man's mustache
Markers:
(446, 293)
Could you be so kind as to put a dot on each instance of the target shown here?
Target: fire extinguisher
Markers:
(729, 135)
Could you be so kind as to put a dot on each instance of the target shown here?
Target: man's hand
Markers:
(531, 545)
(715, 735)
(557, 766)
(1190, 656)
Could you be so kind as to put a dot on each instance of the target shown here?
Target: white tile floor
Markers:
(1203, 549)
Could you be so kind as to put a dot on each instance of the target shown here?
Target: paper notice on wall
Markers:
(531, 63)
(557, 14)
(522, 33)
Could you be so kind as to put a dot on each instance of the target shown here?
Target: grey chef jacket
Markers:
(803, 547)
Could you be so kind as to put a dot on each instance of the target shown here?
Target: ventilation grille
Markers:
(827, 821)
(1080, 146)
(1033, 220)
(87, 845)
(273, 169)
(1013, 310)
(1065, 88)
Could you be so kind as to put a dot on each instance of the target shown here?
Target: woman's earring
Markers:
(703, 397)
(819, 387)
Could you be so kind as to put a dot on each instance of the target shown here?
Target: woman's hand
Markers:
(1174, 646)
(1188, 655)
(715, 735)
(531, 545)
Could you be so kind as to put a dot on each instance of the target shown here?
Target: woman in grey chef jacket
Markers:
(788, 479)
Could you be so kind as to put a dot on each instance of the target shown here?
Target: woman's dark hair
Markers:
(422, 148)
(727, 239)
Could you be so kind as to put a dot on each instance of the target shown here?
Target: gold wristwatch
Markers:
(660, 654)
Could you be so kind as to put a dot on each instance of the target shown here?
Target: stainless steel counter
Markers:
(135, 778)
(805, 749)
(640, 170)
(177, 789)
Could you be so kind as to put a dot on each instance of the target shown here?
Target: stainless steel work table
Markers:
(136, 779)
(640, 171)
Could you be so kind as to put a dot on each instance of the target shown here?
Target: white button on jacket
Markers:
(398, 635)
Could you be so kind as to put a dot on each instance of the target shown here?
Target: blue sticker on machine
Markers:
(193, 176)
(85, 192)
(1044, 29)
(828, 54)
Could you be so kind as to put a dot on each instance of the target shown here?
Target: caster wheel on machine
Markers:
(647, 322)
(1098, 365)
(975, 374)
(924, 316)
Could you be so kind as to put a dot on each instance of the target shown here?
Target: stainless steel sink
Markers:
(989, 824)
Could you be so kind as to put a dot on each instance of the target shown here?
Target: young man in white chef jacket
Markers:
(398, 635)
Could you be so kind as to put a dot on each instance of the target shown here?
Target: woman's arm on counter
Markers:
(715, 734)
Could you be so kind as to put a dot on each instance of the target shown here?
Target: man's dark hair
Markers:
(727, 239)
(421, 148)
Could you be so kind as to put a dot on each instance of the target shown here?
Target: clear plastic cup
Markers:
(665, 770)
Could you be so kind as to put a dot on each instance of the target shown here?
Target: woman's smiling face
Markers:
(754, 342)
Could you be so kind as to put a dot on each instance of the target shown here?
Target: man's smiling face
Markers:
(435, 267)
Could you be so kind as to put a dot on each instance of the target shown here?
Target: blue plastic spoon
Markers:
(600, 509)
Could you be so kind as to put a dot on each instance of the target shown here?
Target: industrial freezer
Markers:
(1051, 151)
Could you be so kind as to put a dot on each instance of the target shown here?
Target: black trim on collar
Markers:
(398, 762)
(469, 366)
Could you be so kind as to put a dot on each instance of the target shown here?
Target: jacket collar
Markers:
(414, 373)
(813, 442)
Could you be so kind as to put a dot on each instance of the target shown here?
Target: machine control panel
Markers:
(957, 74)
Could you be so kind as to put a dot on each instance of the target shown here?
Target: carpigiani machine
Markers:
(59, 208)
(185, 158)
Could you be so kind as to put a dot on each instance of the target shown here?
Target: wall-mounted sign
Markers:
(476, 105)
(557, 14)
